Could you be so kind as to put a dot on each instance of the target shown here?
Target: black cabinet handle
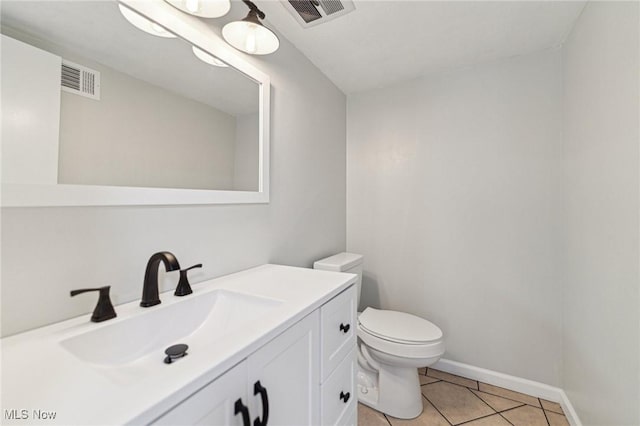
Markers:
(259, 389)
(345, 396)
(241, 408)
(345, 328)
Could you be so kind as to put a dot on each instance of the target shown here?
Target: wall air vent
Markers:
(80, 80)
(310, 13)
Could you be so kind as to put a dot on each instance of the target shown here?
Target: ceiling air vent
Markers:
(309, 13)
(80, 80)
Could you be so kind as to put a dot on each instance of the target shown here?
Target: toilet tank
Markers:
(343, 262)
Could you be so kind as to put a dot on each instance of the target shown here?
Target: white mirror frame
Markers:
(196, 32)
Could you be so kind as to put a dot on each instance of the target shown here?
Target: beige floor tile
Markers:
(422, 370)
(496, 402)
(425, 380)
(556, 419)
(525, 416)
(551, 406)
(456, 403)
(369, 417)
(429, 417)
(509, 394)
(495, 420)
(452, 378)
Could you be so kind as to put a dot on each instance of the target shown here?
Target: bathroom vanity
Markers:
(269, 345)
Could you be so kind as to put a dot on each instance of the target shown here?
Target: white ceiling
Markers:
(384, 42)
(378, 44)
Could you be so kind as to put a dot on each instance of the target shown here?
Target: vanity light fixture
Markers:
(250, 35)
(207, 58)
(203, 8)
(143, 23)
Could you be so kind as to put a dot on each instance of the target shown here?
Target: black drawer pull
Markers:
(344, 396)
(345, 328)
(241, 408)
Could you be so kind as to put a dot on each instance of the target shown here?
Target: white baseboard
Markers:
(537, 389)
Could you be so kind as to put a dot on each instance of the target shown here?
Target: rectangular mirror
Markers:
(99, 112)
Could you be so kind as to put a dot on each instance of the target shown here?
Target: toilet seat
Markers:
(399, 327)
(400, 334)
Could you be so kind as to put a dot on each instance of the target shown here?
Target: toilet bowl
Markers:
(391, 347)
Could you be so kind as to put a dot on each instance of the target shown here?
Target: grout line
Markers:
(484, 402)
(387, 419)
(427, 384)
(477, 418)
(426, 373)
(478, 389)
(511, 399)
(518, 406)
(477, 382)
(522, 404)
(544, 412)
(506, 419)
(553, 411)
(436, 408)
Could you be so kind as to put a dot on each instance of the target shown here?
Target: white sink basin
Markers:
(207, 316)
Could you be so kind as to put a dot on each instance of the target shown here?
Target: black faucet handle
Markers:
(104, 309)
(184, 287)
(199, 265)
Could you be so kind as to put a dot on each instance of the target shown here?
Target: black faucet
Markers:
(150, 295)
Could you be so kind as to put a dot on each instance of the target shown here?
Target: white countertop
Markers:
(39, 374)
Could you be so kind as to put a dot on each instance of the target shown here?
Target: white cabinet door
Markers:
(222, 402)
(284, 379)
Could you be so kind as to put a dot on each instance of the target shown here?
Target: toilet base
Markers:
(392, 390)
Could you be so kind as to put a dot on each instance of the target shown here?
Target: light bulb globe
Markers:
(250, 37)
(144, 24)
(202, 8)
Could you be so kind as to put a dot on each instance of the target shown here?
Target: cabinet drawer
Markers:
(338, 329)
(338, 387)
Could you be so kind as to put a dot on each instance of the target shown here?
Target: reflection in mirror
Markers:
(144, 111)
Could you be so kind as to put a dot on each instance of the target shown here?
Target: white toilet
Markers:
(391, 347)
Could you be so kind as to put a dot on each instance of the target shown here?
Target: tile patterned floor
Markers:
(454, 400)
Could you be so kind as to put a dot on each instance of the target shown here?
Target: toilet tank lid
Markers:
(339, 262)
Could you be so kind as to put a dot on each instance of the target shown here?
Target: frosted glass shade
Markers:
(203, 8)
(143, 23)
(207, 58)
(250, 37)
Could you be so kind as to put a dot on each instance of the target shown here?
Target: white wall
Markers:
(601, 337)
(454, 198)
(48, 251)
